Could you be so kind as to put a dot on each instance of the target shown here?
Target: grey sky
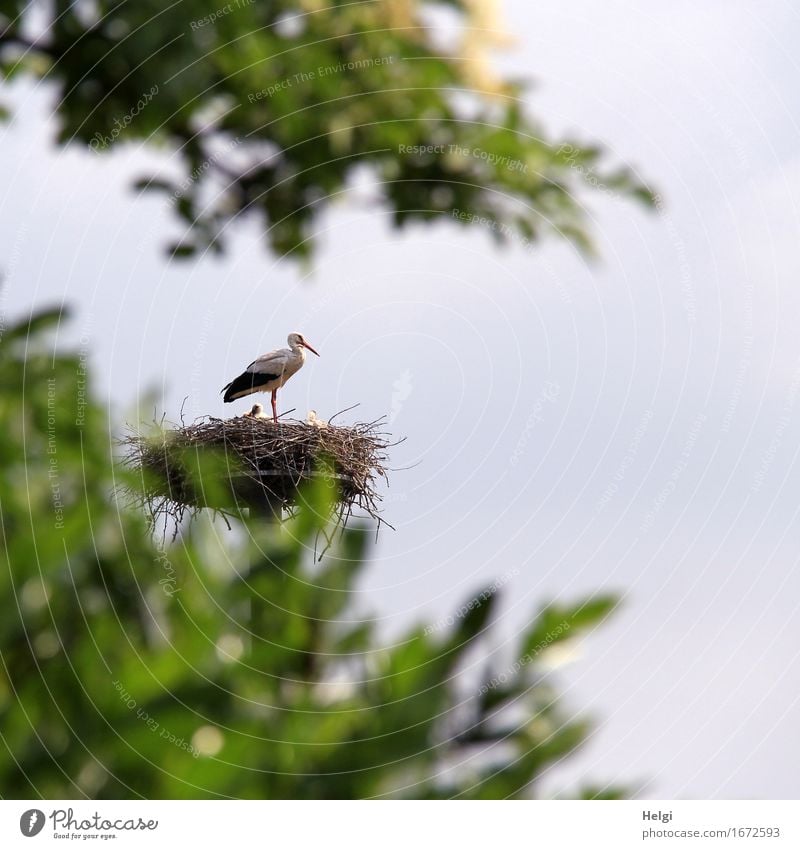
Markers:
(528, 382)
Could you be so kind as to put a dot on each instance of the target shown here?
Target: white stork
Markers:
(269, 372)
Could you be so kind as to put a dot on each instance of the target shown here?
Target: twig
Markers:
(345, 410)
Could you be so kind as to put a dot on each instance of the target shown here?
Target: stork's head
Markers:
(296, 340)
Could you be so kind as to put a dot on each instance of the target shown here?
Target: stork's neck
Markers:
(298, 351)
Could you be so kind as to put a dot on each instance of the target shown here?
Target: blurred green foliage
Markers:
(230, 664)
(274, 107)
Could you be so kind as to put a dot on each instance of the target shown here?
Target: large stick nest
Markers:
(263, 465)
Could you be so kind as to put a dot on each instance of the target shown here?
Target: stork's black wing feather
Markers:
(247, 382)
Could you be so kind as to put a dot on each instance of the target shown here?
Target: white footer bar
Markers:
(406, 825)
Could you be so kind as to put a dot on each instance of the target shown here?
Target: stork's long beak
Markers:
(306, 345)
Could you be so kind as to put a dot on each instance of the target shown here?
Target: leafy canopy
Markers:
(275, 107)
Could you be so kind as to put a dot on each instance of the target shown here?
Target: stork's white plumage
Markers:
(255, 412)
(269, 372)
(313, 420)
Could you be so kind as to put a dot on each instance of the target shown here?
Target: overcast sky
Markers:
(627, 426)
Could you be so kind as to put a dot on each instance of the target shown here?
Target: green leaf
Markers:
(155, 184)
(39, 322)
(593, 610)
(473, 616)
(181, 250)
(557, 622)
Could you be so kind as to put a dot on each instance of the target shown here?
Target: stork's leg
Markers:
(275, 406)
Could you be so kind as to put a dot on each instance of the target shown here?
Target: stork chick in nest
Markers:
(256, 412)
(311, 419)
(269, 372)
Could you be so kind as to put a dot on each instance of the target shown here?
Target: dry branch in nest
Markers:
(258, 465)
